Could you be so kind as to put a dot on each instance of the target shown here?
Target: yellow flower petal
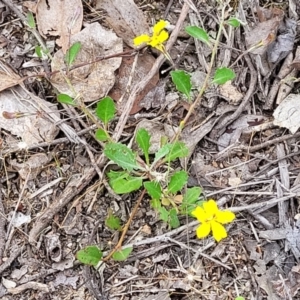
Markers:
(163, 36)
(203, 230)
(199, 214)
(210, 208)
(218, 231)
(225, 216)
(144, 38)
(159, 26)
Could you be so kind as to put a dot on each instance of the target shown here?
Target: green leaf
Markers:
(113, 222)
(123, 183)
(122, 254)
(234, 22)
(153, 189)
(39, 51)
(90, 255)
(30, 20)
(106, 109)
(222, 75)
(239, 298)
(191, 200)
(178, 149)
(155, 203)
(177, 181)
(72, 53)
(66, 99)
(143, 141)
(163, 214)
(121, 155)
(198, 33)
(173, 218)
(182, 80)
(101, 135)
(162, 152)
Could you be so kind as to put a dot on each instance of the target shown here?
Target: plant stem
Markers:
(126, 227)
(206, 81)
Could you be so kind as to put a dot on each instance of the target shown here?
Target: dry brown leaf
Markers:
(143, 67)
(59, 18)
(287, 113)
(91, 81)
(8, 80)
(125, 18)
(31, 6)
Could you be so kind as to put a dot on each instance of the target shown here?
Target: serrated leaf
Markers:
(198, 33)
(234, 22)
(121, 155)
(183, 83)
(121, 255)
(106, 109)
(222, 75)
(101, 135)
(123, 183)
(153, 189)
(162, 152)
(112, 221)
(178, 149)
(66, 99)
(177, 181)
(72, 53)
(90, 255)
(30, 20)
(173, 218)
(163, 214)
(143, 141)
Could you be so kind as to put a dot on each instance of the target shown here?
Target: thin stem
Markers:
(206, 81)
(126, 227)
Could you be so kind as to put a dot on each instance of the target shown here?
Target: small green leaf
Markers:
(177, 181)
(90, 255)
(143, 141)
(153, 189)
(182, 80)
(72, 53)
(123, 183)
(121, 155)
(223, 75)
(198, 33)
(178, 149)
(41, 53)
(112, 222)
(106, 109)
(173, 218)
(192, 195)
(155, 203)
(191, 200)
(121, 255)
(162, 152)
(38, 51)
(239, 298)
(163, 214)
(234, 22)
(30, 20)
(101, 135)
(66, 99)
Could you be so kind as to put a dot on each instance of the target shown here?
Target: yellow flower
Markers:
(159, 36)
(212, 219)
